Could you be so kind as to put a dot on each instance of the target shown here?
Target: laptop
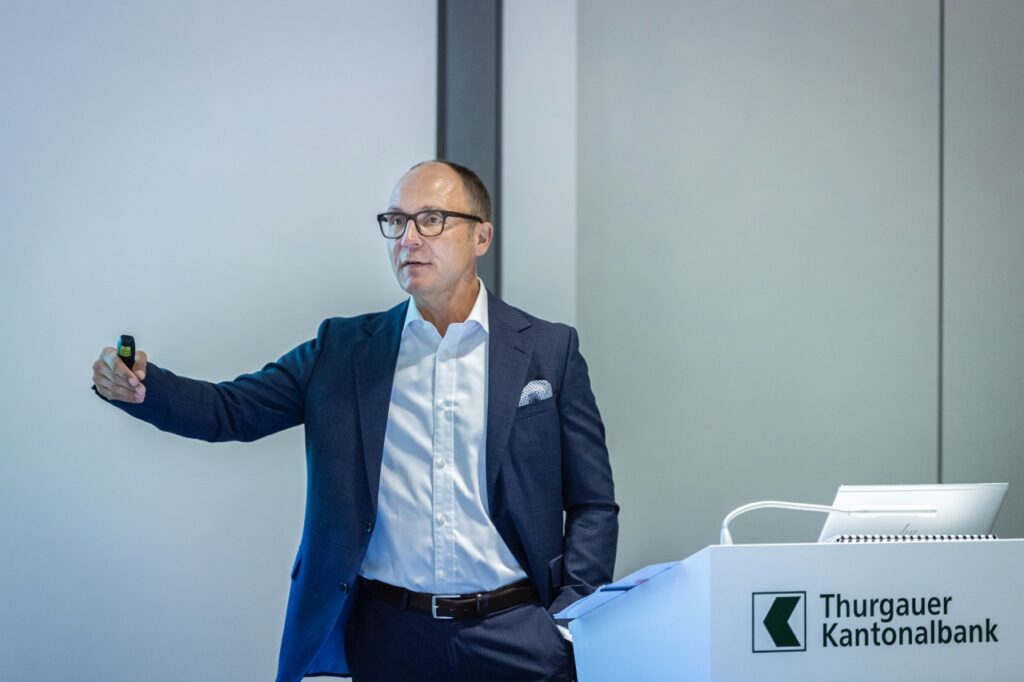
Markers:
(915, 510)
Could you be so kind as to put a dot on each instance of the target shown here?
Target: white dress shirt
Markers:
(433, 533)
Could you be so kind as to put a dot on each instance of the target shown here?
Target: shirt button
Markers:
(440, 463)
(343, 587)
(441, 520)
(441, 575)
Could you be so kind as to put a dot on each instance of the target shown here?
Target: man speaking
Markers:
(458, 483)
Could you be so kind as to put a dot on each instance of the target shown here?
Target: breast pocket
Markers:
(536, 428)
(534, 409)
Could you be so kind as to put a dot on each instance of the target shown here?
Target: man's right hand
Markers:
(113, 379)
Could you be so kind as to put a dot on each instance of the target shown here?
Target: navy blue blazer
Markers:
(542, 459)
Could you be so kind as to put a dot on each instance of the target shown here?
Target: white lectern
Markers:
(909, 610)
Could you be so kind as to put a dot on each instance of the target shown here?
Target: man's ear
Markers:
(482, 237)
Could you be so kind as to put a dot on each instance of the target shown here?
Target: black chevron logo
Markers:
(779, 621)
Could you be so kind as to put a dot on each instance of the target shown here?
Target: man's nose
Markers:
(411, 234)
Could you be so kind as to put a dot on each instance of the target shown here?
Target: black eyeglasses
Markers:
(428, 223)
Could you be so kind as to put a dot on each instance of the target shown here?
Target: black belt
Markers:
(453, 606)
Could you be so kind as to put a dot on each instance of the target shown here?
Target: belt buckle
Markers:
(433, 605)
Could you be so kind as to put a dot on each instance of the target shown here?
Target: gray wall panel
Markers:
(758, 283)
(203, 176)
(538, 175)
(984, 250)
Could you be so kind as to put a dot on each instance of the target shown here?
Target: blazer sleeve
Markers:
(246, 408)
(591, 514)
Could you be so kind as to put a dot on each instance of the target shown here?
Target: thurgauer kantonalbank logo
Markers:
(778, 621)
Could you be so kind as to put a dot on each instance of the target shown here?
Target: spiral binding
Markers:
(914, 538)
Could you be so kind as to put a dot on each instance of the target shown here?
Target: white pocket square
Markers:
(534, 392)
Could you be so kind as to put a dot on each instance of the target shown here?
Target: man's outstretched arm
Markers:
(249, 407)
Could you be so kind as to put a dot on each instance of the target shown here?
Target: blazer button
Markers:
(369, 526)
(343, 587)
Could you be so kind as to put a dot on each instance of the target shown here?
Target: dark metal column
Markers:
(469, 103)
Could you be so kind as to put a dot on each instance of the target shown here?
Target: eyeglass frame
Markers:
(445, 215)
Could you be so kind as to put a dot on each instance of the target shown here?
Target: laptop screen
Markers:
(929, 509)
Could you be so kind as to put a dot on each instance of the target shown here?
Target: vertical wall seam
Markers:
(942, 229)
(577, 161)
(576, 165)
(499, 204)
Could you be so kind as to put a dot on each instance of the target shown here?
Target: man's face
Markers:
(428, 266)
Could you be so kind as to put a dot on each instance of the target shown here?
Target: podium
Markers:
(911, 610)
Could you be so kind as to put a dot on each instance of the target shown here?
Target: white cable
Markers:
(726, 537)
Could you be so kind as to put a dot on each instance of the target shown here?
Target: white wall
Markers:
(204, 176)
(760, 275)
(538, 125)
(758, 256)
(984, 250)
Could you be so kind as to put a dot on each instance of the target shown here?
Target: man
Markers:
(445, 439)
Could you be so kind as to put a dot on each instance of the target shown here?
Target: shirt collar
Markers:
(477, 314)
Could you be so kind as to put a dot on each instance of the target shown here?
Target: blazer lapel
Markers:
(509, 353)
(375, 373)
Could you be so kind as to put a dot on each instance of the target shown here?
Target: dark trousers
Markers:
(385, 643)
